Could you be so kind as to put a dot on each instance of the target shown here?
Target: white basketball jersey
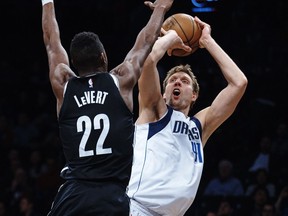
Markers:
(168, 163)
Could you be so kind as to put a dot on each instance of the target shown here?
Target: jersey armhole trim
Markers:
(65, 87)
(198, 124)
(116, 81)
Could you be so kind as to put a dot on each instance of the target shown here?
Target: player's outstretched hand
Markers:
(164, 3)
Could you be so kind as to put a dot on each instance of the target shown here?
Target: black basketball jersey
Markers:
(96, 130)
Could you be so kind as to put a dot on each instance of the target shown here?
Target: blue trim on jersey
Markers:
(155, 127)
(198, 124)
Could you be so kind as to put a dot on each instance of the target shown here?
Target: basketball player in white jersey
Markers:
(168, 144)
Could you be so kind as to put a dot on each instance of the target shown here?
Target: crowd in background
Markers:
(246, 160)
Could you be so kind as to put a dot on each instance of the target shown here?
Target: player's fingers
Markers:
(187, 48)
(163, 31)
(149, 4)
(201, 23)
(197, 19)
(169, 52)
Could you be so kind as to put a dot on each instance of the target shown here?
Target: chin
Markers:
(173, 105)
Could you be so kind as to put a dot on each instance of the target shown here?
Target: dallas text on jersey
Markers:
(193, 135)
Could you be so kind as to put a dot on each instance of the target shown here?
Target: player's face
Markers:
(179, 91)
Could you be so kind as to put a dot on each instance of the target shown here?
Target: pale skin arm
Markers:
(151, 103)
(226, 101)
(59, 70)
(129, 71)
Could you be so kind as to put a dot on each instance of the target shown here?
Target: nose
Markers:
(177, 82)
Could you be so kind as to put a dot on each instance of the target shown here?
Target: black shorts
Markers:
(84, 198)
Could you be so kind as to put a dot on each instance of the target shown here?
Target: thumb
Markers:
(149, 4)
(169, 52)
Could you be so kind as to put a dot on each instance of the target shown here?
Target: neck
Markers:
(90, 73)
(92, 70)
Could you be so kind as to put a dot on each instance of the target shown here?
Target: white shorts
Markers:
(136, 209)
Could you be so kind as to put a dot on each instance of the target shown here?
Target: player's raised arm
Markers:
(226, 101)
(59, 71)
(135, 58)
(151, 104)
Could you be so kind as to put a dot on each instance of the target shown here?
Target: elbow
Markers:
(241, 82)
(244, 82)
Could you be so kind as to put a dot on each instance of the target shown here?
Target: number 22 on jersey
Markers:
(89, 126)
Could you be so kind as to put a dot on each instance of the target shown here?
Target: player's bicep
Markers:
(220, 110)
(56, 55)
(225, 103)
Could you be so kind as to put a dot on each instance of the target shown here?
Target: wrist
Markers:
(206, 42)
(46, 2)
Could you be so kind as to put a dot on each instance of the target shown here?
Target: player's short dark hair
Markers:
(85, 51)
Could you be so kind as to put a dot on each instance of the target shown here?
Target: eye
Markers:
(185, 81)
(172, 80)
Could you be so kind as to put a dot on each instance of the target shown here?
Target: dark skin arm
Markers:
(59, 70)
(129, 71)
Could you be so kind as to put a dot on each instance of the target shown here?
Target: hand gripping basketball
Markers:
(187, 29)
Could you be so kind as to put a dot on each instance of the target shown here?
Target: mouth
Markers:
(176, 92)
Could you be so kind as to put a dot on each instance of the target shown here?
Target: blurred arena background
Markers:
(253, 32)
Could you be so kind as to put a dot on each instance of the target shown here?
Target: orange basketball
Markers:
(187, 29)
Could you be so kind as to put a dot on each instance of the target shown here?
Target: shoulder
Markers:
(122, 69)
(128, 73)
(64, 69)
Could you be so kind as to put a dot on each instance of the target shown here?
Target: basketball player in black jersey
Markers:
(94, 110)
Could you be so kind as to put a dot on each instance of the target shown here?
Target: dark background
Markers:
(254, 33)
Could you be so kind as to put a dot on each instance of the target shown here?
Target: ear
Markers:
(194, 96)
(104, 58)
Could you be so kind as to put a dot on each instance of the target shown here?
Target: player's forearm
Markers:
(230, 70)
(152, 29)
(49, 24)
(161, 46)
